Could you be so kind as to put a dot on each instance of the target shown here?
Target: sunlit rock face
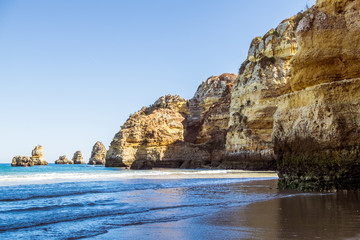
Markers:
(263, 77)
(294, 106)
(78, 158)
(146, 135)
(37, 156)
(22, 161)
(208, 120)
(174, 132)
(317, 124)
(98, 154)
(63, 160)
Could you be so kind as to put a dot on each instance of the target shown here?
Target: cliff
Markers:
(317, 124)
(263, 77)
(174, 132)
(293, 107)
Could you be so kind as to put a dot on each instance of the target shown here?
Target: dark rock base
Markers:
(326, 171)
(249, 161)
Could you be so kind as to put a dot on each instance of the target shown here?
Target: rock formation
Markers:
(22, 161)
(262, 79)
(295, 105)
(37, 156)
(78, 158)
(317, 124)
(98, 154)
(176, 133)
(63, 160)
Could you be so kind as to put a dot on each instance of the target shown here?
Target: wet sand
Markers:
(286, 215)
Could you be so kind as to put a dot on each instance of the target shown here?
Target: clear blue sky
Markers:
(71, 72)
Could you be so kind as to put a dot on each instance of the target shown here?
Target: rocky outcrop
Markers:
(37, 156)
(98, 154)
(78, 158)
(63, 160)
(294, 106)
(263, 77)
(22, 161)
(176, 133)
(317, 124)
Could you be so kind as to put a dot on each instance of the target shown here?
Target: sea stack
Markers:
(78, 158)
(37, 156)
(63, 160)
(22, 161)
(98, 154)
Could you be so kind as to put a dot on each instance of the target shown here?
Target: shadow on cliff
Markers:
(193, 152)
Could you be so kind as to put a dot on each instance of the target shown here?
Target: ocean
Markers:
(94, 202)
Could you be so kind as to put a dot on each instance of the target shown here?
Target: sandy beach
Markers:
(290, 215)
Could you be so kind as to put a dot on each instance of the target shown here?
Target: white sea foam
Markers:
(101, 175)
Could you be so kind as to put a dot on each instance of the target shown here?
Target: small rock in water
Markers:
(22, 161)
(63, 160)
(78, 158)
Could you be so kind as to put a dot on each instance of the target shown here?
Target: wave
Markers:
(98, 214)
(102, 175)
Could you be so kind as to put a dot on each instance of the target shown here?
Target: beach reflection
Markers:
(248, 210)
(330, 216)
(300, 216)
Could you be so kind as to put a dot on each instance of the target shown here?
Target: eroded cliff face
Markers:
(208, 120)
(295, 105)
(174, 132)
(317, 124)
(263, 77)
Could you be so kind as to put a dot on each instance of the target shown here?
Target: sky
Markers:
(71, 72)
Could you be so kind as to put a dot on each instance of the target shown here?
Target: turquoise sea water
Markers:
(94, 202)
(53, 173)
(81, 201)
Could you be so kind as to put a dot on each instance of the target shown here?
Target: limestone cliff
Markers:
(295, 105)
(174, 132)
(263, 77)
(317, 124)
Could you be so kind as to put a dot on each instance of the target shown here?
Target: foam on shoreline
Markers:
(120, 174)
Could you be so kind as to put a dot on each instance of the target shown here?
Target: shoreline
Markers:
(73, 173)
(284, 215)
